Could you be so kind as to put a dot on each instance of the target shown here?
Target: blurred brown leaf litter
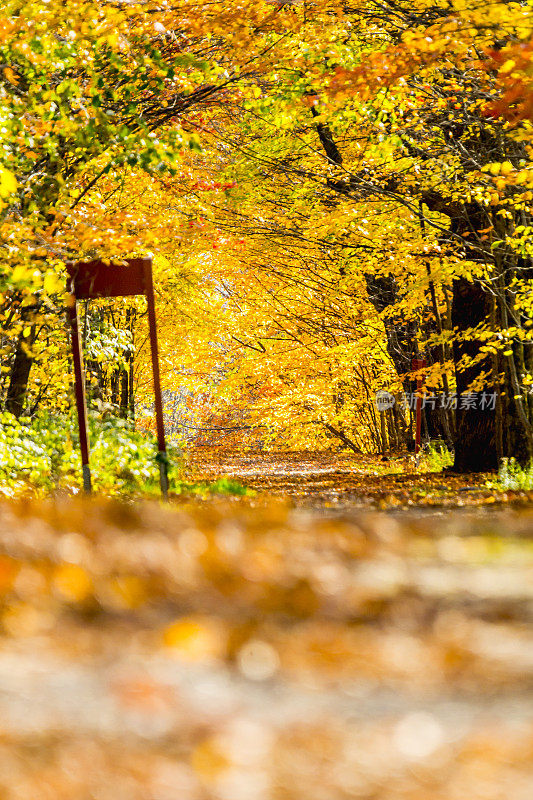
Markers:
(258, 650)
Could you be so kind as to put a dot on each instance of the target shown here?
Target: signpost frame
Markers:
(88, 280)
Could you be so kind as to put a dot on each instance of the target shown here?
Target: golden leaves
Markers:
(351, 699)
(8, 185)
(514, 65)
(72, 583)
(195, 638)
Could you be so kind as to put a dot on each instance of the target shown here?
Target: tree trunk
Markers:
(20, 373)
(124, 398)
(475, 439)
(342, 436)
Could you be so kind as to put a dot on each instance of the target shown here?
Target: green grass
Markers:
(229, 486)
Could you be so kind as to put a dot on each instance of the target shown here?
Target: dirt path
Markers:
(345, 482)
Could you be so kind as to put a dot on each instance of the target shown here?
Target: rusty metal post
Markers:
(97, 278)
(417, 364)
(158, 401)
(79, 386)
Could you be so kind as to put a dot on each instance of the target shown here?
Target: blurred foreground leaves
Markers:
(257, 651)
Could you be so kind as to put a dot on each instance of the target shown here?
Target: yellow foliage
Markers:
(195, 638)
(73, 583)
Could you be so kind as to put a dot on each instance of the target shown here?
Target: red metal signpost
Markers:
(417, 364)
(91, 279)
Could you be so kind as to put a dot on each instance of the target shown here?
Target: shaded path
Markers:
(349, 482)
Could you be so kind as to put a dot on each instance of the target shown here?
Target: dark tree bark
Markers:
(342, 436)
(475, 440)
(124, 404)
(20, 373)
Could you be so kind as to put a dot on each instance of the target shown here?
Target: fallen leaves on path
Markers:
(341, 481)
(254, 650)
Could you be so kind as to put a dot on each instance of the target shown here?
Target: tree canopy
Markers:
(330, 190)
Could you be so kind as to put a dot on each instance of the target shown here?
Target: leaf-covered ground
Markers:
(342, 482)
(259, 650)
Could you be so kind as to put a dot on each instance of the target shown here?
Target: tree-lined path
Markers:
(322, 212)
(338, 199)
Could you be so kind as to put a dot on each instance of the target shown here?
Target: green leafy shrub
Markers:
(41, 455)
(437, 457)
(512, 476)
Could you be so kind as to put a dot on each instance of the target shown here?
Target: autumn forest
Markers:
(327, 206)
(329, 192)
